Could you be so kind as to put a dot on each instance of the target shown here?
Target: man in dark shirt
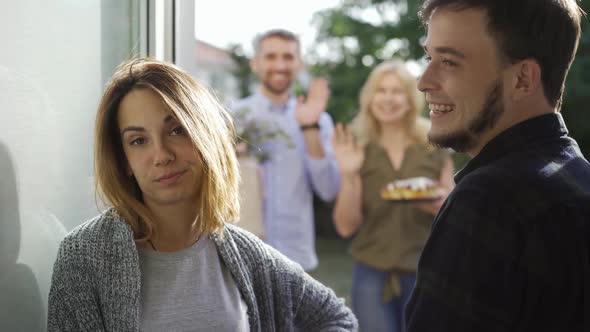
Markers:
(509, 250)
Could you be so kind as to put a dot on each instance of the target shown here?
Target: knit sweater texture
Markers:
(96, 283)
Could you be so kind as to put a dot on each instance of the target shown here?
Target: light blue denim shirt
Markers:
(290, 177)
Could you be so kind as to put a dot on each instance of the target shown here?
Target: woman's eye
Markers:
(177, 131)
(137, 141)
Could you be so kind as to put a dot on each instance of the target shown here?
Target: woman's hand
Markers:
(446, 185)
(432, 207)
(349, 155)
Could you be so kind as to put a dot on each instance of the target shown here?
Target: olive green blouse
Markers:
(393, 234)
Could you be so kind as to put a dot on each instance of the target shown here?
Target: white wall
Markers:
(55, 57)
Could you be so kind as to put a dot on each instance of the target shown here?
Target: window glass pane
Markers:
(56, 58)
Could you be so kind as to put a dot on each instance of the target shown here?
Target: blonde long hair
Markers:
(208, 125)
(366, 128)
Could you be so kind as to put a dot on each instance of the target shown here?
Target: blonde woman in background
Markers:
(164, 257)
(386, 142)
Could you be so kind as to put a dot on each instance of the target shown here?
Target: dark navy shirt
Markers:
(509, 249)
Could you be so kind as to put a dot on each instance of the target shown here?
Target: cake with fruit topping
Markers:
(418, 188)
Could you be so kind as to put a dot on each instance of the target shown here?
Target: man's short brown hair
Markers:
(278, 33)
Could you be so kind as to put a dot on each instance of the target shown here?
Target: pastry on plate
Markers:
(418, 188)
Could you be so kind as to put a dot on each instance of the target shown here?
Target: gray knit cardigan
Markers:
(96, 283)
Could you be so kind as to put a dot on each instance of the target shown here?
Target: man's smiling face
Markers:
(463, 80)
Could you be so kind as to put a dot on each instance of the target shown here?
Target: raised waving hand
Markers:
(349, 154)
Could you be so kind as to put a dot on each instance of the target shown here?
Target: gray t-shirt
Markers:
(189, 290)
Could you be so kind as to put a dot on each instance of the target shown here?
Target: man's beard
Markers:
(276, 91)
(466, 138)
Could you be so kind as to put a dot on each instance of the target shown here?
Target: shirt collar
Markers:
(517, 137)
(266, 104)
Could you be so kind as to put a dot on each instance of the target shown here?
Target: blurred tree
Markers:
(577, 92)
(242, 71)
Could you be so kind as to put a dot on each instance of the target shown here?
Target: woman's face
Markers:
(159, 152)
(390, 101)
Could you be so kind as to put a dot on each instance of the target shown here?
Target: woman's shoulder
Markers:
(235, 238)
(84, 257)
(106, 224)
(91, 236)
(372, 149)
(426, 150)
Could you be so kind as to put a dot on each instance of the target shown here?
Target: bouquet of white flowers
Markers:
(252, 135)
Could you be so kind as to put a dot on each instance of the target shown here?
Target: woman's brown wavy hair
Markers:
(205, 120)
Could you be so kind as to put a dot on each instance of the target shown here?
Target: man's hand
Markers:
(308, 111)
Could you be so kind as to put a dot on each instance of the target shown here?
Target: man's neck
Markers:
(510, 119)
(276, 99)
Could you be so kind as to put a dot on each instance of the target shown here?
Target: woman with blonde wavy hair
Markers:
(164, 256)
(386, 142)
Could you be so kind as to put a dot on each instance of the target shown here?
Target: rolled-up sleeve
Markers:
(323, 173)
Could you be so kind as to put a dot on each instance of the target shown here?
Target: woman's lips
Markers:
(170, 178)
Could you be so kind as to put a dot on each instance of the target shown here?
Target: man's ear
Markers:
(526, 78)
(254, 64)
(300, 64)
